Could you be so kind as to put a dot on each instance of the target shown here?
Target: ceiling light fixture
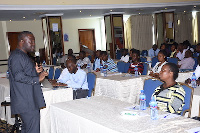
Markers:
(139, 13)
(111, 10)
(184, 11)
(24, 17)
(90, 15)
(34, 19)
(165, 8)
(195, 6)
(10, 20)
(80, 11)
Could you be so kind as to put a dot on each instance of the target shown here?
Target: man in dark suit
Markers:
(25, 77)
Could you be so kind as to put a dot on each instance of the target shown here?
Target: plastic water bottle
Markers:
(88, 68)
(193, 81)
(153, 107)
(7, 74)
(142, 100)
(136, 71)
(43, 63)
(101, 68)
(105, 72)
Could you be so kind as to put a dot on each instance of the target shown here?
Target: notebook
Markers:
(46, 84)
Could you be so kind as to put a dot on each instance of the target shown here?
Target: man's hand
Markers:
(42, 75)
(39, 69)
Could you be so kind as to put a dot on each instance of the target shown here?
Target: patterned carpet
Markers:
(3, 127)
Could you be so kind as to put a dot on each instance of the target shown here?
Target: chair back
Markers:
(188, 99)
(57, 73)
(173, 60)
(126, 67)
(145, 69)
(144, 51)
(54, 60)
(195, 54)
(195, 64)
(149, 87)
(120, 66)
(91, 79)
(154, 61)
(51, 72)
(143, 59)
(119, 54)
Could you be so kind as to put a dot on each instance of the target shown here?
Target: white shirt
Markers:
(125, 58)
(86, 60)
(156, 68)
(153, 53)
(97, 63)
(181, 55)
(187, 63)
(74, 80)
(197, 71)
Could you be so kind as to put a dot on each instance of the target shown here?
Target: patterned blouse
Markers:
(170, 99)
(139, 66)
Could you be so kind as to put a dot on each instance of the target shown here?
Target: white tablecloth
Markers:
(195, 102)
(118, 87)
(102, 115)
(50, 96)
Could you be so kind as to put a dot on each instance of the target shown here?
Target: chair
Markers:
(145, 69)
(57, 73)
(143, 59)
(118, 54)
(144, 51)
(54, 61)
(188, 99)
(154, 61)
(195, 64)
(195, 54)
(91, 79)
(149, 87)
(173, 60)
(120, 66)
(126, 67)
(51, 72)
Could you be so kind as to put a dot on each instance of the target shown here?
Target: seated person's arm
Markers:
(83, 66)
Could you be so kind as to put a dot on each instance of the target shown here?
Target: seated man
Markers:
(83, 60)
(108, 63)
(153, 51)
(180, 54)
(97, 61)
(125, 56)
(188, 62)
(64, 58)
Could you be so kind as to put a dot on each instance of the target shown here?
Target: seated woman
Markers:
(170, 95)
(135, 55)
(162, 57)
(173, 50)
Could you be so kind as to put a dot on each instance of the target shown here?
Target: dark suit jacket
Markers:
(25, 90)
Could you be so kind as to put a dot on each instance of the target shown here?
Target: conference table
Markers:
(50, 96)
(106, 115)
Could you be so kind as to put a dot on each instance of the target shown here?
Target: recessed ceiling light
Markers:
(90, 15)
(10, 20)
(165, 8)
(24, 17)
(80, 11)
(111, 10)
(184, 11)
(139, 13)
(195, 6)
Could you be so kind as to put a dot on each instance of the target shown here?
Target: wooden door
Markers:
(13, 40)
(87, 38)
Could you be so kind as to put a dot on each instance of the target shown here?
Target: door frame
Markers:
(8, 40)
(94, 39)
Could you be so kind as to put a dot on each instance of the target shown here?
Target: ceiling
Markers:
(30, 12)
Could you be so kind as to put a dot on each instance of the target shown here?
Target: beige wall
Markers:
(71, 26)
(86, 2)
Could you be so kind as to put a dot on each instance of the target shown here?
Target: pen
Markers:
(166, 115)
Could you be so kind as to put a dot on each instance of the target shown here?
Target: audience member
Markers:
(83, 60)
(136, 62)
(153, 51)
(197, 73)
(187, 45)
(131, 51)
(197, 50)
(72, 76)
(180, 54)
(97, 60)
(170, 95)
(108, 63)
(64, 58)
(162, 57)
(164, 47)
(188, 62)
(125, 56)
(173, 50)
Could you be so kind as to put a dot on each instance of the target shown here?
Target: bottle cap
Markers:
(141, 91)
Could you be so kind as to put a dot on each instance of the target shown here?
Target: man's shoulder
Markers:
(81, 71)
(15, 54)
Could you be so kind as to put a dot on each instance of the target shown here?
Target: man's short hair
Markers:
(83, 52)
(104, 53)
(23, 34)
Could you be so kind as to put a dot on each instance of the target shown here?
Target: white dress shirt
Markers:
(86, 60)
(187, 63)
(125, 58)
(97, 63)
(197, 71)
(181, 55)
(74, 80)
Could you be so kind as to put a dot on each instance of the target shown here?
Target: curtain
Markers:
(198, 27)
(127, 34)
(160, 35)
(141, 30)
(183, 27)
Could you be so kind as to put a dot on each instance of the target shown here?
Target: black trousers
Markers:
(30, 121)
(80, 93)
